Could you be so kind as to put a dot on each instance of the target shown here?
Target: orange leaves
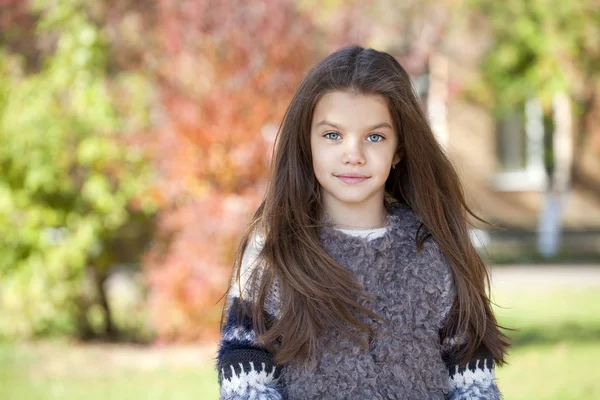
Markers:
(226, 71)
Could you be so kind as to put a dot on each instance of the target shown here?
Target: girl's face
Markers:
(353, 146)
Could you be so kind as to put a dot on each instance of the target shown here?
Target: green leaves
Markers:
(67, 178)
(538, 48)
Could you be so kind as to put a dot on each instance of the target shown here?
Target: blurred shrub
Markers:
(71, 179)
(540, 48)
(226, 72)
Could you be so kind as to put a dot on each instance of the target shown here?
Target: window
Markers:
(520, 150)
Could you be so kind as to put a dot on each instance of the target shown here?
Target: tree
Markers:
(225, 71)
(71, 173)
(549, 51)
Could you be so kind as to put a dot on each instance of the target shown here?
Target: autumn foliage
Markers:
(226, 71)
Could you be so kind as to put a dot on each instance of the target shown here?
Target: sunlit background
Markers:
(135, 140)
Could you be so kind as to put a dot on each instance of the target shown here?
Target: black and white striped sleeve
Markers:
(473, 381)
(476, 379)
(245, 369)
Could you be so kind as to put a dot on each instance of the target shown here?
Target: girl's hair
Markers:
(316, 292)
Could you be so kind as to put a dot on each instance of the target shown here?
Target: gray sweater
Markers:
(406, 358)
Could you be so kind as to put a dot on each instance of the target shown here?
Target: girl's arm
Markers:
(476, 380)
(245, 369)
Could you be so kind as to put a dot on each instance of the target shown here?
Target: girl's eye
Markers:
(332, 135)
(375, 137)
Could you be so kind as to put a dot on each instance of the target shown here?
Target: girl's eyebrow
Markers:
(376, 126)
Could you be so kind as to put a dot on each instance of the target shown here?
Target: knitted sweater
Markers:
(406, 358)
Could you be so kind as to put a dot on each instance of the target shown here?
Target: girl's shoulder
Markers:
(410, 229)
(403, 213)
(406, 221)
(250, 265)
(251, 272)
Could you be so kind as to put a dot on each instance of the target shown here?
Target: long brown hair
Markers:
(317, 293)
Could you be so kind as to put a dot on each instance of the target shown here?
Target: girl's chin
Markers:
(355, 200)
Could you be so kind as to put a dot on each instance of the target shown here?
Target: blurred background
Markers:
(135, 140)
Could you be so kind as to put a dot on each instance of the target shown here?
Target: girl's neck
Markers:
(343, 219)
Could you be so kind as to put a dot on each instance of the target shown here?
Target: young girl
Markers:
(356, 278)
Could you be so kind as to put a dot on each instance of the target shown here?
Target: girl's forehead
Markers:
(346, 109)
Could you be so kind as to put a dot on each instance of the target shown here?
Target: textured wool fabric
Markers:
(405, 358)
(412, 292)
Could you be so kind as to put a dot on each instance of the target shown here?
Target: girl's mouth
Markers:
(352, 179)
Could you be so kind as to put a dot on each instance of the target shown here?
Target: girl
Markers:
(356, 278)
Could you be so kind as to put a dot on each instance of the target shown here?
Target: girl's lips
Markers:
(352, 179)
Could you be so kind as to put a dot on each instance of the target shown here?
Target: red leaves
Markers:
(226, 70)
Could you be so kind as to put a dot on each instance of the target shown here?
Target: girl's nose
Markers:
(353, 154)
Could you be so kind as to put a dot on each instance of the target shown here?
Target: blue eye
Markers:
(377, 137)
(329, 135)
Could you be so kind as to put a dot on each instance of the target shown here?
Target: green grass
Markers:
(550, 316)
(556, 350)
(554, 356)
(20, 379)
(563, 371)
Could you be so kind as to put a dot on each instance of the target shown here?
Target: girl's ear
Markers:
(397, 157)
